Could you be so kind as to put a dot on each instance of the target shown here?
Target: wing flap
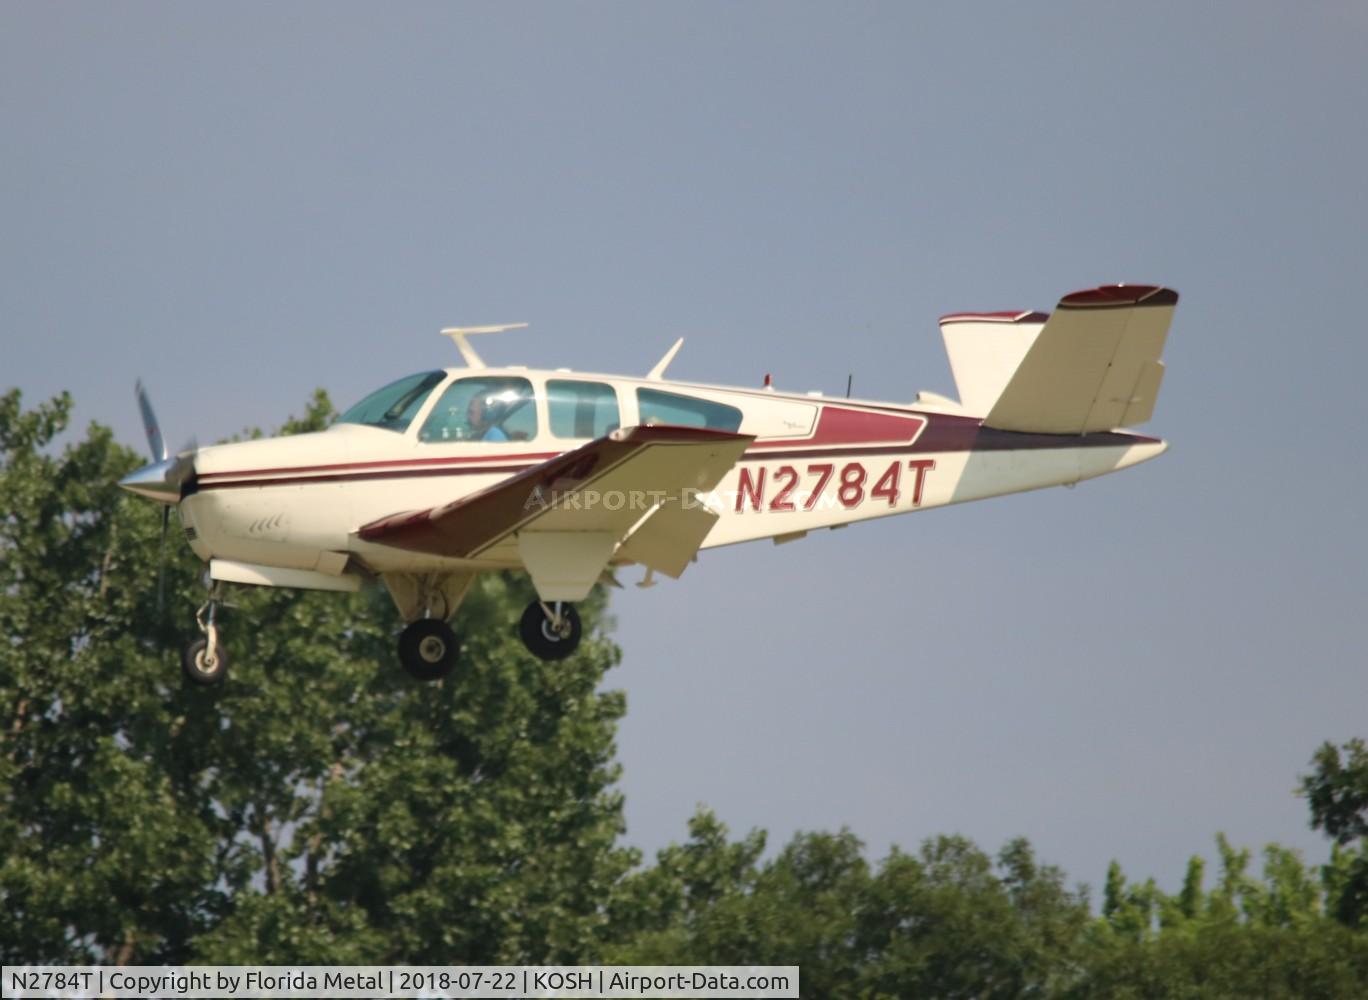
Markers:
(603, 488)
(669, 537)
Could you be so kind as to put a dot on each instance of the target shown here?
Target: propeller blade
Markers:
(161, 567)
(161, 479)
(149, 419)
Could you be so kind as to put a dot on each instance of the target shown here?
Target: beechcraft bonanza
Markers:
(449, 473)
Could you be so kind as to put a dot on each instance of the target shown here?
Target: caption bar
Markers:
(348, 981)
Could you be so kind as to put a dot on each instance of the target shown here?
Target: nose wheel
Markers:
(205, 662)
(550, 631)
(428, 649)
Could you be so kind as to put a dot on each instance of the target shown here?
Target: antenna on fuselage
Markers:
(658, 372)
(458, 336)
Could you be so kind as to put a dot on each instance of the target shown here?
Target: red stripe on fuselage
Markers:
(362, 476)
(844, 425)
(943, 435)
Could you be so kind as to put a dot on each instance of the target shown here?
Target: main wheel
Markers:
(197, 666)
(428, 649)
(545, 640)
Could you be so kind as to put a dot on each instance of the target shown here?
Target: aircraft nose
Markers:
(160, 481)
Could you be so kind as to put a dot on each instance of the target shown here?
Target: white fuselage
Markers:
(297, 502)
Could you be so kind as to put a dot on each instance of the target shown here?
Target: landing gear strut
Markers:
(428, 649)
(205, 661)
(550, 631)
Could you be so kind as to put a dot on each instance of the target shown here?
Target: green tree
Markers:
(1337, 791)
(1265, 936)
(100, 858)
(711, 901)
(661, 915)
(319, 807)
(1190, 899)
(947, 922)
(468, 821)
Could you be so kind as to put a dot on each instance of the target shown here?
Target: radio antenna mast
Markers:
(458, 336)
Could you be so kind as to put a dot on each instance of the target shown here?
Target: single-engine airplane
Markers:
(445, 474)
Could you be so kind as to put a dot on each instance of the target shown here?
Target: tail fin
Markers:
(985, 350)
(1091, 366)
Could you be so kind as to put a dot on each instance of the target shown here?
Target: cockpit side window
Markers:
(394, 407)
(686, 411)
(487, 408)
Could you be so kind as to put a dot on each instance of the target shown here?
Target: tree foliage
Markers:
(322, 808)
(950, 921)
(1337, 791)
(317, 807)
(1263, 936)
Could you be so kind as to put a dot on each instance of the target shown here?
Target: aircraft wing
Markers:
(567, 517)
(1094, 367)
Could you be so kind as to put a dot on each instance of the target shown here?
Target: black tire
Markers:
(542, 641)
(197, 671)
(428, 649)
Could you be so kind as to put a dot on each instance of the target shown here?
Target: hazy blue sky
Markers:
(243, 202)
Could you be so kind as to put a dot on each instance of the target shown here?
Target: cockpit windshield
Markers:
(394, 407)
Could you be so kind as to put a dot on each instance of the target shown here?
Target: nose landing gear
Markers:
(550, 631)
(205, 662)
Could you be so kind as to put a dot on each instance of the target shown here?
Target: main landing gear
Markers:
(550, 631)
(428, 649)
(205, 662)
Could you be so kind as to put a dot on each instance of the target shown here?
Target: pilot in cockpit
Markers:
(481, 414)
(483, 409)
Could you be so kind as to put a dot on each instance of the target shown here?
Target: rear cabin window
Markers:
(490, 408)
(658, 407)
(581, 409)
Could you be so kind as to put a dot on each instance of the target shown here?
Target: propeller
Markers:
(161, 480)
(155, 443)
